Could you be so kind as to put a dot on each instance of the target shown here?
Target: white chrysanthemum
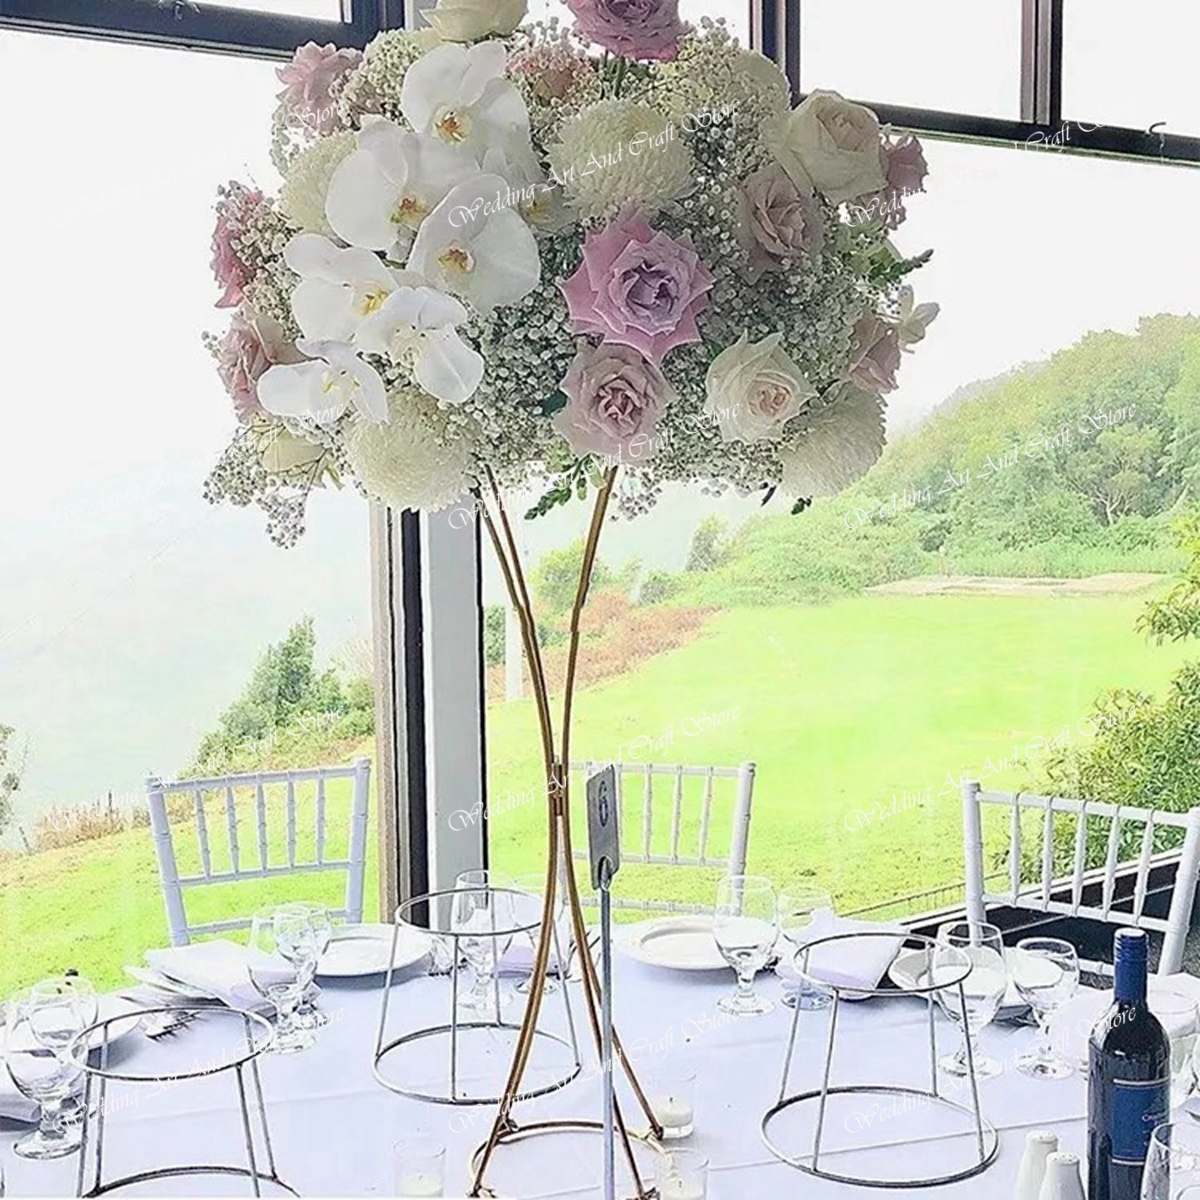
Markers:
(411, 462)
(303, 194)
(621, 152)
(843, 442)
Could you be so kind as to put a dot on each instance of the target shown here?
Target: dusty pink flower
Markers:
(553, 70)
(615, 398)
(639, 287)
(310, 78)
(631, 28)
(905, 168)
(874, 355)
(777, 223)
(253, 344)
(231, 272)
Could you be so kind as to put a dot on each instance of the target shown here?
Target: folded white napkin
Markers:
(222, 968)
(853, 963)
(518, 958)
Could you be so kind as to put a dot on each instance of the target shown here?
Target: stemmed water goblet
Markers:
(746, 928)
(1172, 1169)
(40, 1030)
(483, 919)
(533, 885)
(982, 991)
(1045, 972)
(308, 929)
(277, 977)
(803, 911)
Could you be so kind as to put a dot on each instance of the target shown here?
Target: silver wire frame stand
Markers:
(403, 917)
(96, 1083)
(987, 1139)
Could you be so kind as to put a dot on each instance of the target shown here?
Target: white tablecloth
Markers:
(333, 1125)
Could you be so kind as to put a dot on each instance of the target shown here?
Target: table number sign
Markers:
(604, 821)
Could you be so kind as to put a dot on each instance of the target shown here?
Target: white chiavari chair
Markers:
(269, 789)
(1063, 894)
(693, 794)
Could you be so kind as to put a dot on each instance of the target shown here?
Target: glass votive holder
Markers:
(671, 1091)
(420, 1164)
(683, 1175)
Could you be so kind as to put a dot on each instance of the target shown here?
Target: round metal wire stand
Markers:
(243, 1059)
(433, 913)
(515, 1133)
(953, 969)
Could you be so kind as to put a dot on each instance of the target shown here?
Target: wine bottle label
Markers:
(1137, 1109)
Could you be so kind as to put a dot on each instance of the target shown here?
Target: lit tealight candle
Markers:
(674, 1114)
(420, 1183)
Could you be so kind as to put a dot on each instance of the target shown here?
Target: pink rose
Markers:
(232, 274)
(874, 355)
(631, 28)
(905, 168)
(310, 78)
(553, 70)
(252, 344)
(777, 223)
(639, 287)
(615, 398)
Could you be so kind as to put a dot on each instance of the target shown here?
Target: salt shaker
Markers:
(1062, 1180)
(1039, 1145)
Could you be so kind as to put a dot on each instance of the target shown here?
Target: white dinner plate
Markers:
(677, 943)
(108, 1005)
(357, 950)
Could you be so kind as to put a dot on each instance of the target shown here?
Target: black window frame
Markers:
(196, 25)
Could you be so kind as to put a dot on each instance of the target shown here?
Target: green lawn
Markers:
(847, 705)
(841, 707)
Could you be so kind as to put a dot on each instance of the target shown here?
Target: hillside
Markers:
(1067, 468)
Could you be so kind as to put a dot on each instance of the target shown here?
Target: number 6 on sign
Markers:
(604, 820)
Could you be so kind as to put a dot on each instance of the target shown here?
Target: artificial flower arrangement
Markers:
(500, 256)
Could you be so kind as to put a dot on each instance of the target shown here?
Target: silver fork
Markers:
(169, 1024)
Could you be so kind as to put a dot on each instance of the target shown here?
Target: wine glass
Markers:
(801, 911)
(982, 990)
(488, 914)
(1045, 972)
(746, 928)
(1172, 1163)
(533, 885)
(39, 1031)
(309, 929)
(277, 978)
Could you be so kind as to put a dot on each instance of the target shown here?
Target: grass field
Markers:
(841, 706)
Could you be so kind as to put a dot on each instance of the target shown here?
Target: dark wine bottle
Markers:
(1129, 1079)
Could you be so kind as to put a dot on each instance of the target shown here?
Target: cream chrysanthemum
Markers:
(410, 462)
(621, 152)
(374, 85)
(302, 197)
(843, 442)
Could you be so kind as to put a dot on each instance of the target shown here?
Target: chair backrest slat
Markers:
(1065, 896)
(1143, 871)
(231, 825)
(647, 812)
(353, 864)
(677, 813)
(202, 831)
(1080, 856)
(706, 814)
(1110, 863)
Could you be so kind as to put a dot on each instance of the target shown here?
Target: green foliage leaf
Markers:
(553, 403)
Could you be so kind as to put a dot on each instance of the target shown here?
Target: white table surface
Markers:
(333, 1125)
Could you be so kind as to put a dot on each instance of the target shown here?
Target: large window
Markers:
(135, 615)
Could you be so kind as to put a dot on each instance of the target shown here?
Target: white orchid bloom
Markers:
(914, 320)
(459, 94)
(322, 389)
(539, 202)
(416, 327)
(475, 247)
(338, 287)
(381, 192)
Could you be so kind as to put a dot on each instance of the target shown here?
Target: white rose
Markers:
(473, 20)
(837, 145)
(754, 389)
(284, 452)
(843, 442)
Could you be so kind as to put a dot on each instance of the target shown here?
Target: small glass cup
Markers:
(1172, 1169)
(804, 912)
(420, 1164)
(683, 1175)
(671, 1090)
